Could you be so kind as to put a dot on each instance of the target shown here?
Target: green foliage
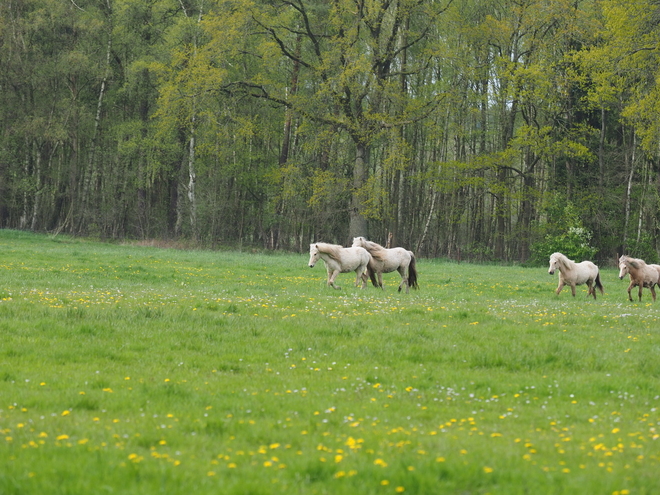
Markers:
(643, 248)
(564, 233)
(161, 119)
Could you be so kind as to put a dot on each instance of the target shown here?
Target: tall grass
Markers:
(142, 370)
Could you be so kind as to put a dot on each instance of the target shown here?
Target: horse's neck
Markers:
(329, 255)
(566, 264)
(379, 252)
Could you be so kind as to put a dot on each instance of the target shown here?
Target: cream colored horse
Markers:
(387, 260)
(338, 259)
(572, 273)
(641, 275)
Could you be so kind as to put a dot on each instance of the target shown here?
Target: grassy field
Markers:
(138, 370)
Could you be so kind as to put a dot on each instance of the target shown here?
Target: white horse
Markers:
(387, 260)
(572, 273)
(339, 259)
(641, 275)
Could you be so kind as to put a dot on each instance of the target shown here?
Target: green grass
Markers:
(138, 370)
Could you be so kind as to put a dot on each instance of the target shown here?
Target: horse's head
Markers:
(554, 264)
(623, 268)
(358, 241)
(314, 255)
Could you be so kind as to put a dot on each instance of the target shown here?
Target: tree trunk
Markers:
(192, 181)
(358, 223)
(92, 170)
(626, 222)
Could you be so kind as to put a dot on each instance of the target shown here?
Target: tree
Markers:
(350, 59)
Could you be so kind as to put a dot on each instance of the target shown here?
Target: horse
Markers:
(338, 259)
(641, 275)
(387, 260)
(573, 274)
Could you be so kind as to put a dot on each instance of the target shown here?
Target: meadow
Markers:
(138, 370)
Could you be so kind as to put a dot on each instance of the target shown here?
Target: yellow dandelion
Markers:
(488, 469)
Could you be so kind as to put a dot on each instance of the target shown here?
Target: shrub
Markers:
(565, 234)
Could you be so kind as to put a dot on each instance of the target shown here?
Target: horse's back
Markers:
(656, 268)
(585, 271)
(651, 274)
(353, 258)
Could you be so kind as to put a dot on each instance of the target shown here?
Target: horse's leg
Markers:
(360, 274)
(573, 288)
(629, 291)
(560, 286)
(331, 279)
(404, 280)
(380, 280)
(592, 289)
(653, 292)
(364, 277)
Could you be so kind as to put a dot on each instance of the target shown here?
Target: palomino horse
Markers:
(339, 259)
(572, 273)
(388, 260)
(641, 274)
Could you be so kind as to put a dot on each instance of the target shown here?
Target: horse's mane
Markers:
(331, 250)
(634, 262)
(376, 250)
(562, 259)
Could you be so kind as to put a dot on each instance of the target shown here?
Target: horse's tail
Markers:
(372, 273)
(599, 285)
(412, 273)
